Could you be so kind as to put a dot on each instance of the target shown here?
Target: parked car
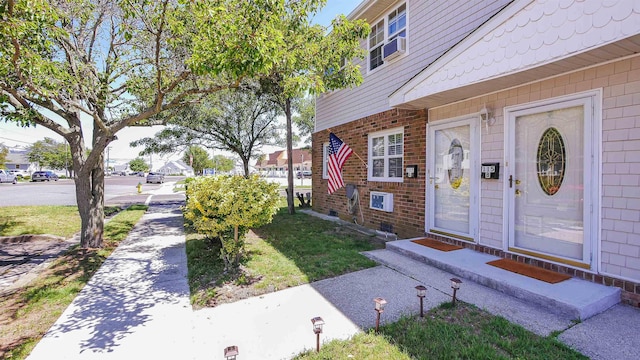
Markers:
(7, 177)
(155, 177)
(20, 174)
(304, 173)
(44, 176)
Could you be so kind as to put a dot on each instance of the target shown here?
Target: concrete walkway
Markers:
(137, 306)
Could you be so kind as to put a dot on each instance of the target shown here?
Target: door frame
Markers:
(592, 182)
(473, 121)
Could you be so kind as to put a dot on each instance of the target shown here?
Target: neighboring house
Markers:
(276, 163)
(175, 167)
(544, 93)
(17, 159)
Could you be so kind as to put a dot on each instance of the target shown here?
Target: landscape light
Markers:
(455, 285)
(422, 292)
(317, 329)
(379, 307)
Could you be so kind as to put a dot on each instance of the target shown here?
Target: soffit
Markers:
(527, 41)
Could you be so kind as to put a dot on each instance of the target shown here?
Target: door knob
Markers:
(518, 192)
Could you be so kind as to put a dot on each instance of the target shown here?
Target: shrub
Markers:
(226, 207)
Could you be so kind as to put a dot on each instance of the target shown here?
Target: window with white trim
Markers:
(390, 27)
(376, 41)
(386, 149)
(325, 160)
(397, 22)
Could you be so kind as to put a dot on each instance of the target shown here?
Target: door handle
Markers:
(510, 181)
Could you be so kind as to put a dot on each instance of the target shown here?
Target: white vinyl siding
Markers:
(433, 28)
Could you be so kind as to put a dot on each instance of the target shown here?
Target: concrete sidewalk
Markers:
(137, 305)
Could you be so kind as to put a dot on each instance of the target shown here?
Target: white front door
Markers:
(452, 179)
(550, 182)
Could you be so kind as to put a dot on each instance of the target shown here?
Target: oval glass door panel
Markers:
(451, 197)
(551, 161)
(549, 189)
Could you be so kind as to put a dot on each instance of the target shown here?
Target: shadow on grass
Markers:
(319, 248)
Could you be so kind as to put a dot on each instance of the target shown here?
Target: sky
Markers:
(120, 152)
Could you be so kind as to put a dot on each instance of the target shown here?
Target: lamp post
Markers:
(422, 292)
(317, 329)
(455, 285)
(379, 307)
(231, 352)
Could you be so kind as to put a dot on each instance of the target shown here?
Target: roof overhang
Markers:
(525, 42)
(370, 10)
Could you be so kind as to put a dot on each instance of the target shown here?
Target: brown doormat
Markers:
(435, 244)
(529, 270)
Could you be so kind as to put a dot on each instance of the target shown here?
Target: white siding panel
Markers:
(433, 28)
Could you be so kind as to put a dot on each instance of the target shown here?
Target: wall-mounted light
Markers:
(486, 117)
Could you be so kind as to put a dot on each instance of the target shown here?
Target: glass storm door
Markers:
(549, 186)
(452, 179)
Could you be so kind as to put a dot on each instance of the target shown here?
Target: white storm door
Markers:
(452, 179)
(550, 184)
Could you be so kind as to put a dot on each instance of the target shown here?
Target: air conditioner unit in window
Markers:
(381, 201)
(394, 48)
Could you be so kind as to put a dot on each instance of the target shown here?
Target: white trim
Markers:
(475, 155)
(593, 146)
(385, 21)
(398, 97)
(384, 134)
(325, 156)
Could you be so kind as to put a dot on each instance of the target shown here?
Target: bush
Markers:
(226, 207)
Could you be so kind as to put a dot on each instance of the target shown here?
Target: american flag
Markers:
(339, 152)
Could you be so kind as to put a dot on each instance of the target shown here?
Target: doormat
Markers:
(435, 244)
(529, 270)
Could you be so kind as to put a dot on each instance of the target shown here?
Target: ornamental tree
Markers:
(107, 64)
(226, 207)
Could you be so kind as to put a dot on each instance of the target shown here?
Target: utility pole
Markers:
(108, 162)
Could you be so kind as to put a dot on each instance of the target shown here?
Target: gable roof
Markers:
(526, 41)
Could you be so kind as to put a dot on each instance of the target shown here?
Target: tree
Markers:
(222, 163)
(138, 165)
(50, 154)
(118, 63)
(305, 116)
(3, 156)
(239, 121)
(313, 63)
(197, 158)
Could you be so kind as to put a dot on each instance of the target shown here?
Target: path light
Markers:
(422, 292)
(231, 352)
(317, 329)
(455, 285)
(380, 303)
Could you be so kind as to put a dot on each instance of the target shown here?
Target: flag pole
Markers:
(354, 153)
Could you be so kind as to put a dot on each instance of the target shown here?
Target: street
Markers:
(62, 192)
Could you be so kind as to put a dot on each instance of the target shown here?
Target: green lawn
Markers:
(292, 250)
(36, 220)
(446, 332)
(29, 312)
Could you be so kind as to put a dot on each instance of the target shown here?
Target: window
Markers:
(325, 160)
(392, 26)
(376, 40)
(398, 22)
(386, 155)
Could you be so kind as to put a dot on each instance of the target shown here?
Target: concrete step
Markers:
(576, 298)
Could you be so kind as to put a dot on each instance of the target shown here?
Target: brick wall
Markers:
(407, 217)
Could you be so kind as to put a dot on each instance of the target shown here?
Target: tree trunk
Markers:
(290, 203)
(90, 199)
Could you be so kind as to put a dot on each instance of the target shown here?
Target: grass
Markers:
(61, 221)
(53, 220)
(29, 312)
(292, 250)
(447, 332)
